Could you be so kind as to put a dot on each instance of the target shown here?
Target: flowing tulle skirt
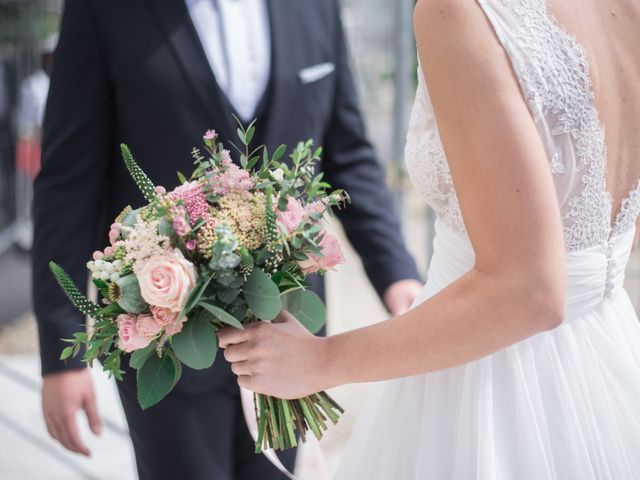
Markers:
(564, 404)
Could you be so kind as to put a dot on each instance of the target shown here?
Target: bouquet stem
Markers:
(281, 421)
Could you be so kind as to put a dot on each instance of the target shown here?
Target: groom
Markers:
(155, 74)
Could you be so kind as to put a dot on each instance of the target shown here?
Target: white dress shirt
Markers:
(236, 38)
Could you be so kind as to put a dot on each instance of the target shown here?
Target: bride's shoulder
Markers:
(450, 20)
(452, 25)
(445, 10)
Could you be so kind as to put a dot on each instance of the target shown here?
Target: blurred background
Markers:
(383, 56)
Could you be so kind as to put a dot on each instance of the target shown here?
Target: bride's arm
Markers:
(505, 189)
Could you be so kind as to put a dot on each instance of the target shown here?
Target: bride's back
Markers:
(577, 63)
(610, 34)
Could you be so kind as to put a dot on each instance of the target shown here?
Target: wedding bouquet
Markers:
(230, 245)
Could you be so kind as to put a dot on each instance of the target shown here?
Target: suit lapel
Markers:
(174, 19)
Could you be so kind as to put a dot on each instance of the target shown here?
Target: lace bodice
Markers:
(553, 72)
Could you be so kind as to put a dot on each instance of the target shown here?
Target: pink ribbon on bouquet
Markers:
(246, 397)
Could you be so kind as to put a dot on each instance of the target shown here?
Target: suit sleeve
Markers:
(370, 221)
(67, 203)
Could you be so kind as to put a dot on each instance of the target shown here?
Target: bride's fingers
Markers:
(237, 352)
(245, 381)
(242, 368)
(230, 335)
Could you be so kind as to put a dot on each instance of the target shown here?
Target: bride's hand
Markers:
(281, 359)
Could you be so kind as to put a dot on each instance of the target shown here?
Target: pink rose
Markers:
(174, 328)
(164, 316)
(147, 326)
(315, 207)
(129, 338)
(166, 280)
(331, 256)
(168, 319)
(292, 217)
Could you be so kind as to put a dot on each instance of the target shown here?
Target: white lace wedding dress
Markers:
(563, 404)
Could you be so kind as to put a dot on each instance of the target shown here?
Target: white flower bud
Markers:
(115, 276)
(278, 174)
(99, 264)
(109, 268)
(91, 265)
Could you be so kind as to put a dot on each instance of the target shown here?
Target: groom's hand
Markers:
(63, 394)
(399, 296)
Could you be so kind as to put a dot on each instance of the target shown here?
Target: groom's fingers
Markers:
(93, 417)
(70, 437)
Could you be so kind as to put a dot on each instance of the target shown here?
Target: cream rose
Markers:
(166, 280)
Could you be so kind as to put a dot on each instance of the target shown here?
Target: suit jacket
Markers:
(134, 71)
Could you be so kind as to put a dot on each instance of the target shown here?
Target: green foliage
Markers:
(156, 378)
(307, 307)
(197, 344)
(145, 185)
(222, 315)
(78, 300)
(262, 295)
(130, 297)
(196, 294)
(139, 357)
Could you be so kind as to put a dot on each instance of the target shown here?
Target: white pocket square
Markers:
(316, 72)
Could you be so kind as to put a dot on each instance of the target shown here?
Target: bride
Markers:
(521, 356)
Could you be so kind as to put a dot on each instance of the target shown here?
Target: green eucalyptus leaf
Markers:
(222, 315)
(139, 357)
(195, 295)
(178, 366)
(197, 344)
(155, 379)
(228, 295)
(262, 295)
(307, 307)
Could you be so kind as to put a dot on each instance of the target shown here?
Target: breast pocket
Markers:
(317, 84)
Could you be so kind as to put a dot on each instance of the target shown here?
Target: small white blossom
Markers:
(278, 174)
